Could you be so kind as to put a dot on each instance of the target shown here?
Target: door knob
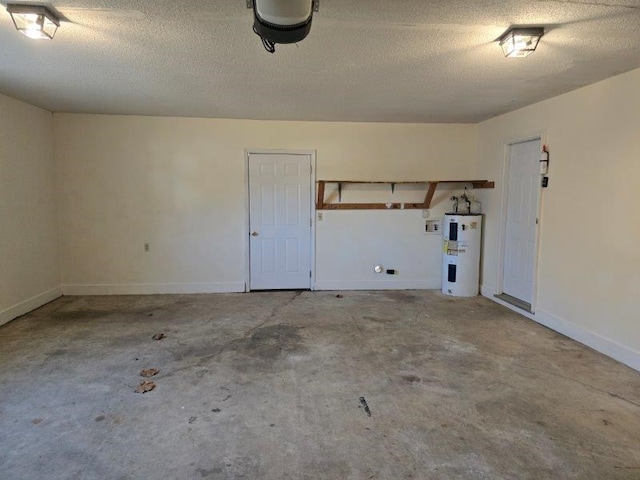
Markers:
(254, 234)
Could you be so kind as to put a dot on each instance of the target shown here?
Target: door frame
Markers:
(312, 205)
(502, 218)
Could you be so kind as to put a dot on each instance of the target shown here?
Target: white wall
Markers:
(29, 271)
(589, 260)
(180, 184)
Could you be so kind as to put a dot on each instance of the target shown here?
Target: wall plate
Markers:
(433, 227)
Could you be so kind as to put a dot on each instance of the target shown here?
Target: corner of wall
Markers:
(30, 250)
(57, 195)
(617, 351)
(30, 304)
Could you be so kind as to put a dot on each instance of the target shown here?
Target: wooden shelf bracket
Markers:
(432, 185)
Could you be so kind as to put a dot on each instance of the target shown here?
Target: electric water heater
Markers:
(461, 254)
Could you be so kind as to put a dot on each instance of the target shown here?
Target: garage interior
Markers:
(128, 243)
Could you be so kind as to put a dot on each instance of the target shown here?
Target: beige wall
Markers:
(180, 184)
(29, 272)
(589, 261)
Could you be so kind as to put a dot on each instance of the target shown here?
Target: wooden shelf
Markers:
(431, 190)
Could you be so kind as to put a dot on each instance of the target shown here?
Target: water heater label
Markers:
(452, 248)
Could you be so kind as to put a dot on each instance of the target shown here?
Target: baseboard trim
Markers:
(379, 285)
(152, 288)
(28, 305)
(606, 346)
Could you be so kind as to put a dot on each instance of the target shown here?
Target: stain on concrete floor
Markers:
(267, 386)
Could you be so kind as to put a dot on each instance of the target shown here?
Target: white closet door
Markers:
(280, 221)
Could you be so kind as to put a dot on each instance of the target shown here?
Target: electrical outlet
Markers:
(432, 226)
(320, 216)
(147, 249)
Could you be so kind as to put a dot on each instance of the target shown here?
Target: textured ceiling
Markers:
(364, 60)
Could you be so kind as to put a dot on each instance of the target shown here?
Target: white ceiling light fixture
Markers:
(34, 21)
(282, 21)
(520, 42)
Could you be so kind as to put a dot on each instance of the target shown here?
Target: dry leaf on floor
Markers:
(149, 372)
(145, 386)
(159, 336)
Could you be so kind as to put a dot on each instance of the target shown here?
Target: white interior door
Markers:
(279, 221)
(521, 224)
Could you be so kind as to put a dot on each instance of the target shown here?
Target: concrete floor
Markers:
(267, 386)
